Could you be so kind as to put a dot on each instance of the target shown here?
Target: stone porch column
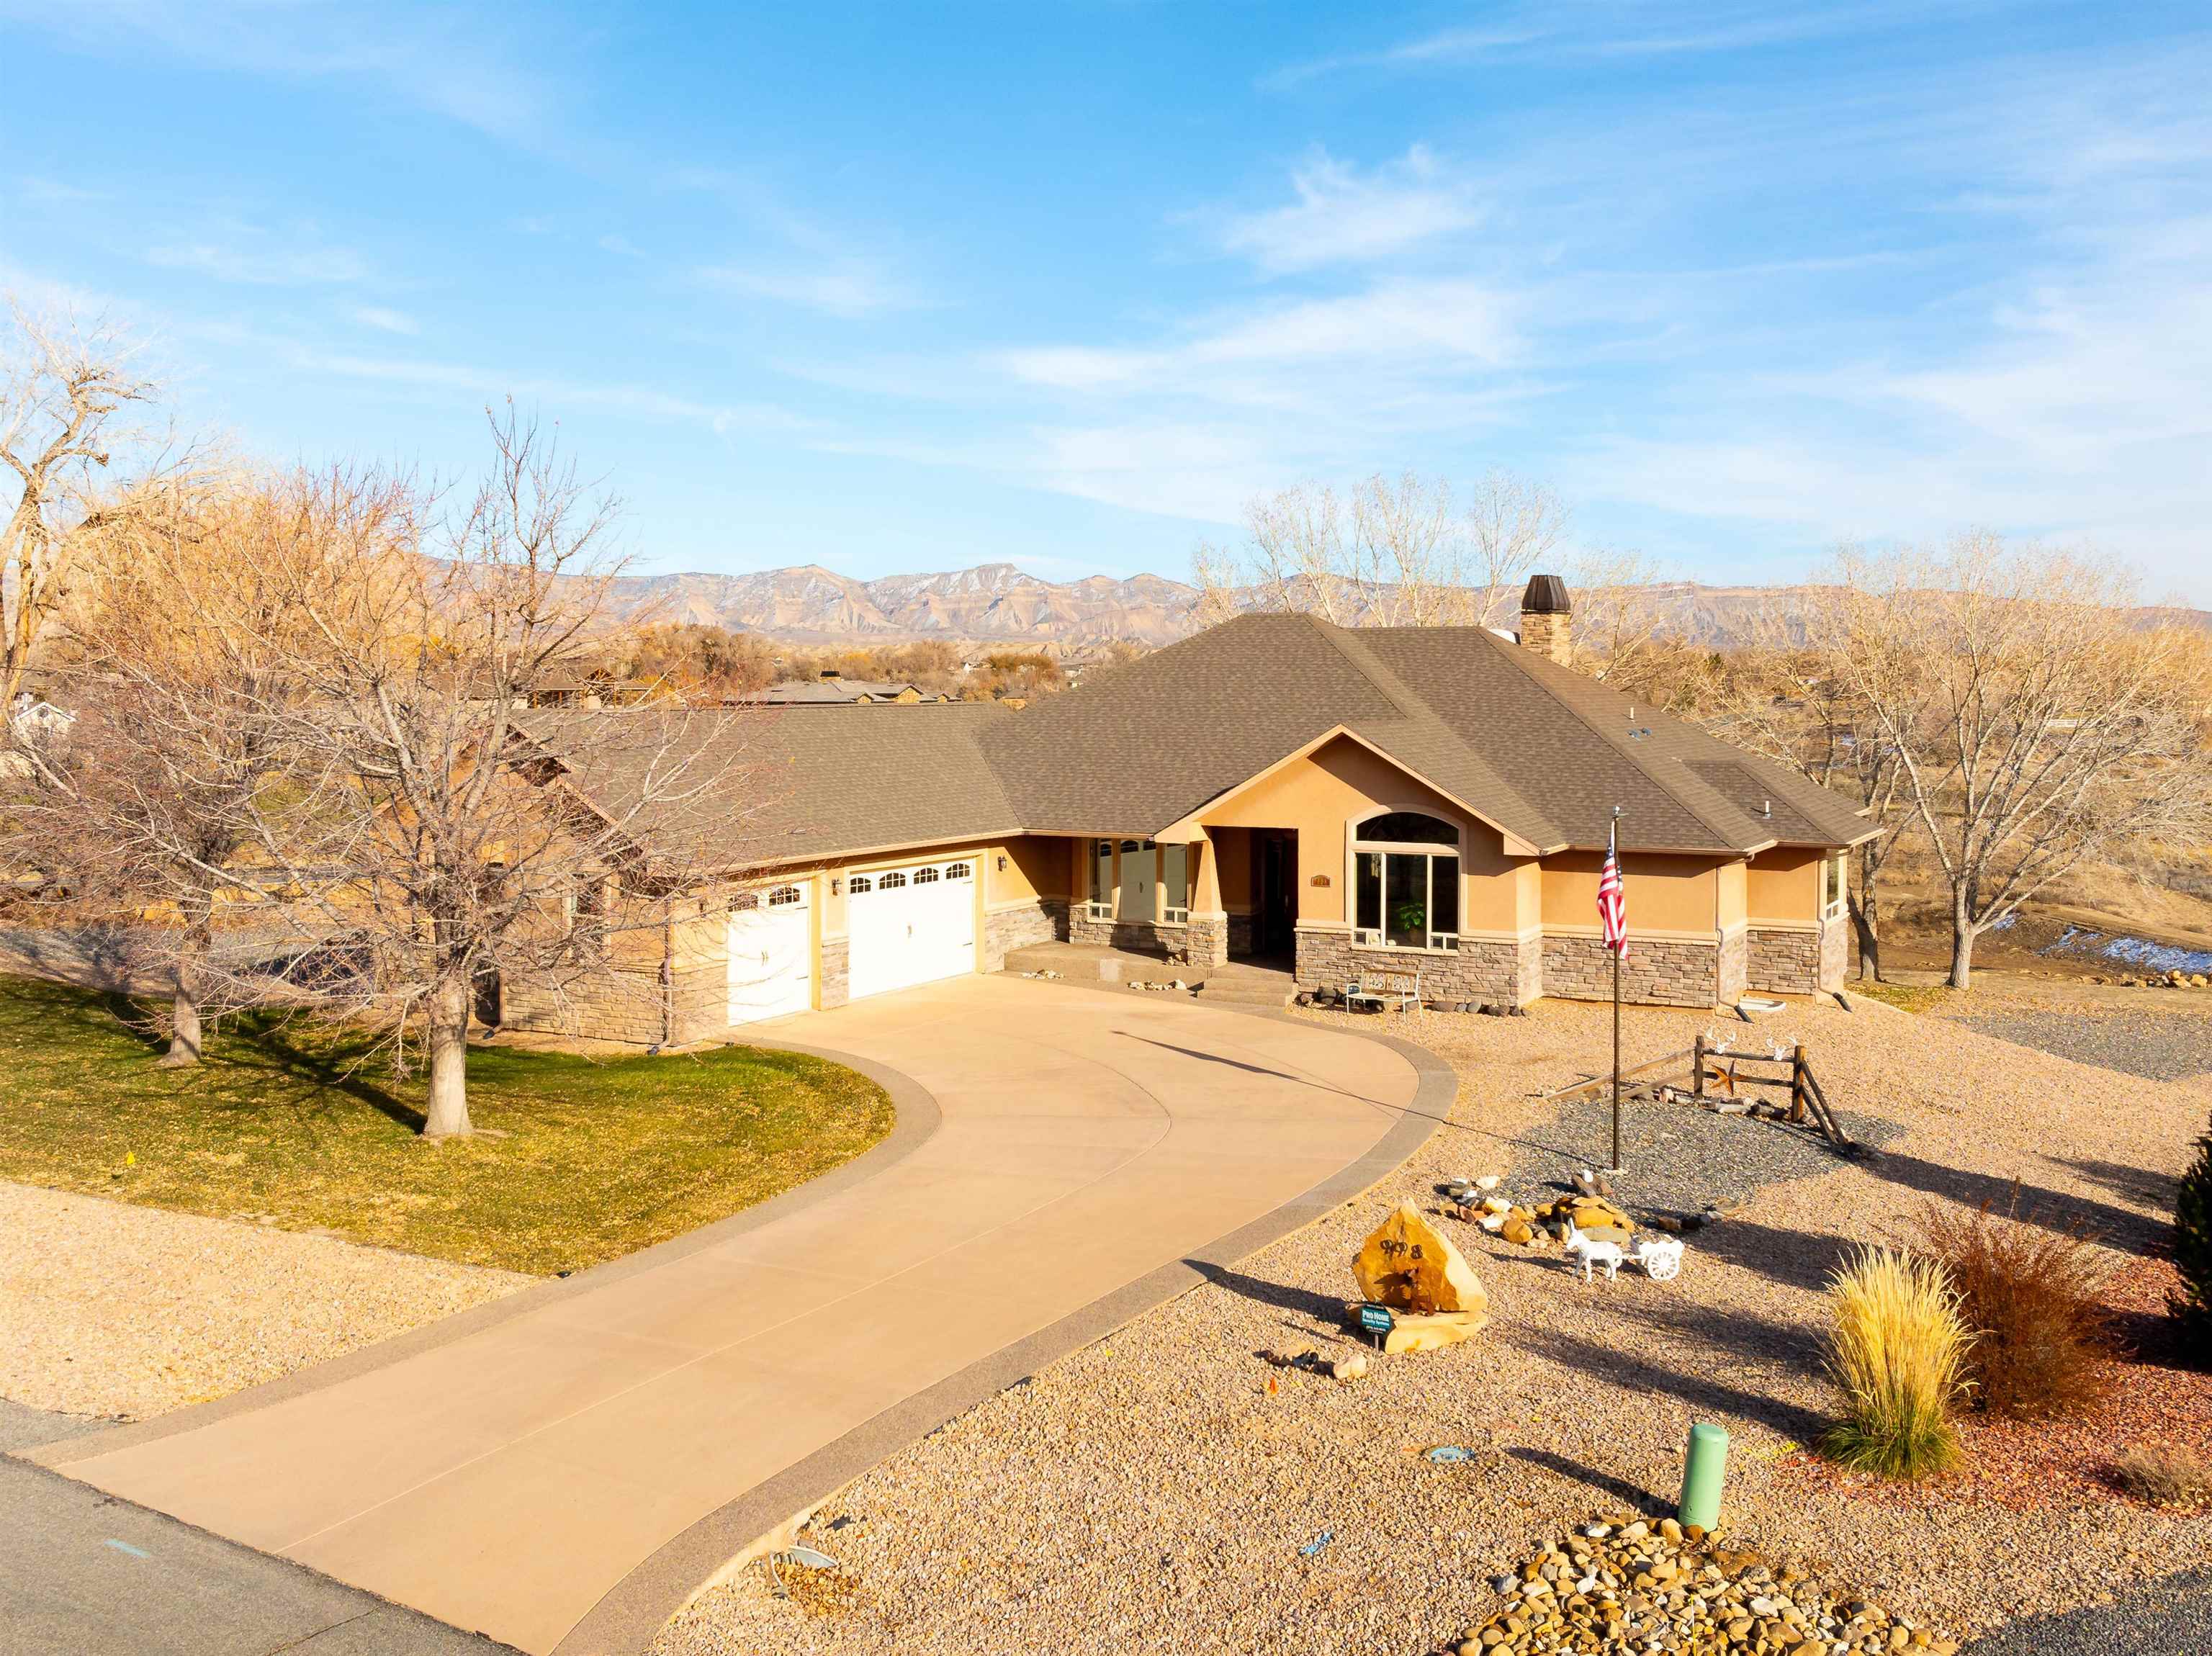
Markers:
(1206, 942)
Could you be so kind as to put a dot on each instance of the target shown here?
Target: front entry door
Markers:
(1274, 891)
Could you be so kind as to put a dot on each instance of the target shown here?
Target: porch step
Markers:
(1245, 994)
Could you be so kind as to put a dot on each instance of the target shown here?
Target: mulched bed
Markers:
(2148, 1397)
(1682, 1159)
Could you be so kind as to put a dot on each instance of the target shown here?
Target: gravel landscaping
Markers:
(126, 1312)
(2163, 1045)
(2172, 1614)
(1177, 1487)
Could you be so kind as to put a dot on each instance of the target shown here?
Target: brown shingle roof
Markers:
(802, 784)
(1541, 751)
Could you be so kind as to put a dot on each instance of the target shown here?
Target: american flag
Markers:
(1612, 899)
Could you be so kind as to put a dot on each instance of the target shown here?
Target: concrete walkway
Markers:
(560, 1469)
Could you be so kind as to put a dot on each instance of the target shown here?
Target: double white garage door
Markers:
(910, 926)
(907, 925)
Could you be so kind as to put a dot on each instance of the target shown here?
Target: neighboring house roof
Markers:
(1539, 751)
(829, 691)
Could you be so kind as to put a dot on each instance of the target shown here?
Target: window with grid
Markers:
(1406, 882)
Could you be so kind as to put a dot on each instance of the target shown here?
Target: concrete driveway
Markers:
(561, 1469)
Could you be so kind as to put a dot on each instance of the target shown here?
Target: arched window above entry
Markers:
(1406, 828)
(1405, 881)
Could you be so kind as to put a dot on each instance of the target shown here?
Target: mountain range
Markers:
(993, 602)
(1001, 603)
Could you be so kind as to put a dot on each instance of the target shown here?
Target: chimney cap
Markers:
(1546, 595)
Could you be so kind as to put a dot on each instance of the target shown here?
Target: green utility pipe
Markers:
(1701, 1477)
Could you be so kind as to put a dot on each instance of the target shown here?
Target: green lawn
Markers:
(584, 1160)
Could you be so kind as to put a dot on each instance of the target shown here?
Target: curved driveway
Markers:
(562, 1469)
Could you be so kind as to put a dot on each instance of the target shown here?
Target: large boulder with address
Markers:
(1410, 1265)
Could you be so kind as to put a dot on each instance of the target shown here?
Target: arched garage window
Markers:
(1406, 882)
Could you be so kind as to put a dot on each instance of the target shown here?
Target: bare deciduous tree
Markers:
(415, 838)
(157, 790)
(1776, 695)
(1622, 632)
(61, 388)
(2035, 723)
(1396, 554)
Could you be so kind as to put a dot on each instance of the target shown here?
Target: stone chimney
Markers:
(1546, 618)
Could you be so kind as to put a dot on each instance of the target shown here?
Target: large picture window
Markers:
(1406, 882)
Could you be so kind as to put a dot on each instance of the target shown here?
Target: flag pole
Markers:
(1614, 846)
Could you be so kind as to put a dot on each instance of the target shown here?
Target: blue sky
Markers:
(902, 287)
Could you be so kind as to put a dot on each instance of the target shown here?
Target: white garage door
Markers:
(771, 954)
(910, 926)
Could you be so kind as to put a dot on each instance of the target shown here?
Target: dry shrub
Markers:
(2192, 1249)
(2035, 1303)
(1897, 1353)
(2164, 1477)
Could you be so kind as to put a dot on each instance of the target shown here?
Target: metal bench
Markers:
(1385, 990)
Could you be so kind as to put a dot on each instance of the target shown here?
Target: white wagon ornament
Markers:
(1661, 1258)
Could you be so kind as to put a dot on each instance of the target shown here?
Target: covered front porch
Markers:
(1224, 895)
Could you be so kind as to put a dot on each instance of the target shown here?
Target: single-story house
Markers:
(1344, 801)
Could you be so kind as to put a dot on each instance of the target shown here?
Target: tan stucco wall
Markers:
(1319, 794)
(1784, 885)
(1730, 896)
(1038, 866)
(1666, 894)
(1233, 872)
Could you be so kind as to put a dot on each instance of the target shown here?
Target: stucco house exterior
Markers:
(1344, 801)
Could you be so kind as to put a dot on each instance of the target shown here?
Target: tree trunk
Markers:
(1865, 905)
(1867, 924)
(1962, 945)
(448, 1038)
(184, 999)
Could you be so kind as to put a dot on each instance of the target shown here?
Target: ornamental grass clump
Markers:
(2035, 1305)
(1898, 1354)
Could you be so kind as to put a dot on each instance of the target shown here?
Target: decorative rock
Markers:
(1606, 1589)
(1414, 1332)
(1349, 1367)
(1409, 1265)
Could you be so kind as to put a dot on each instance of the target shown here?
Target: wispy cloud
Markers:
(438, 59)
(384, 320)
(1617, 29)
(846, 287)
(259, 263)
(1453, 325)
(1344, 216)
(800, 261)
(263, 259)
(55, 191)
(641, 402)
